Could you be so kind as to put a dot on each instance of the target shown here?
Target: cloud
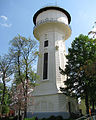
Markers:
(6, 25)
(4, 21)
(4, 18)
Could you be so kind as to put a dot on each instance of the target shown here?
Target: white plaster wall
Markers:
(60, 58)
(52, 15)
(52, 103)
(56, 59)
(46, 96)
(49, 103)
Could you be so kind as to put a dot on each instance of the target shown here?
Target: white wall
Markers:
(47, 97)
(49, 103)
(52, 15)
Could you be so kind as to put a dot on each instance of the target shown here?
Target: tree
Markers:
(79, 81)
(17, 98)
(24, 53)
(5, 73)
(91, 70)
(1, 92)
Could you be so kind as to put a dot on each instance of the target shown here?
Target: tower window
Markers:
(69, 105)
(46, 43)
(45, 66)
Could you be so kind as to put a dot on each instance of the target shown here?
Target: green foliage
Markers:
(33, 118)
(1, 90)
(24, 53)
(5, 109)
(80, 58)
(20, 62)
(49, 118)
(82, 106)
(5, 73)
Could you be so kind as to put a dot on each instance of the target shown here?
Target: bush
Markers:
(51, 118)
(44, 119)
(59, 118)
(8, 118)
(28, 119)
(33, 118)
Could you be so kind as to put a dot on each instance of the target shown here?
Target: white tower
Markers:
(51, 29)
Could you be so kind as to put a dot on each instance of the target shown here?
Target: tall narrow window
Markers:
(46, 43)
(46, 40)
(69, 105)
(45, 66)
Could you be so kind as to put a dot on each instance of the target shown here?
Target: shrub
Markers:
(33, 118)
(59, 118)
(51, 118)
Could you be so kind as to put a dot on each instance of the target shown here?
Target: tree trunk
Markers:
(93, 106)
(4, 89)
(4, 92)
(26, 90)
(86, 103)
(25, 111)
(19, 114)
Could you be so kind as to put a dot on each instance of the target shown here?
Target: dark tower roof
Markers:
(51, 8)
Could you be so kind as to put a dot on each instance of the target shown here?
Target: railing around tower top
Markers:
(49, 20)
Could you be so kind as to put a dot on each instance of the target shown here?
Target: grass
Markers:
(33, 118)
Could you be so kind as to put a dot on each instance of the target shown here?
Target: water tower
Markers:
(51, 29)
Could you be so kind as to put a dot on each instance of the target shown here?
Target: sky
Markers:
(16, 17)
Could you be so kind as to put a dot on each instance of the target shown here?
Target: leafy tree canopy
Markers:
(79, 68)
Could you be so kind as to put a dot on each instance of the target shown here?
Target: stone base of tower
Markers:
(44, 106)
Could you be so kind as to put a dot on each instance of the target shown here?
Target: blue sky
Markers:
(16, 18)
